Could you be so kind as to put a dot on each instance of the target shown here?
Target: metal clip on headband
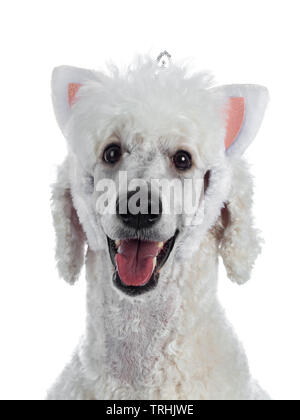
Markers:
(164, 59)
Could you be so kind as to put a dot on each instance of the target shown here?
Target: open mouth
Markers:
(138, 263)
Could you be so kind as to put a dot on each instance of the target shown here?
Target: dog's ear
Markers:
(70, 238)
(245, 109)
(66, 82)
(240, 242)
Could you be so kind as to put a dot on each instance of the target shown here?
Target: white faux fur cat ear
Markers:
(66, 82)
(245, 111)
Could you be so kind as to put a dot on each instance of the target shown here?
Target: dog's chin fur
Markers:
(172, 342)
(142, 347)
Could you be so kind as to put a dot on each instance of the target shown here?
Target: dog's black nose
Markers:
(137, 215)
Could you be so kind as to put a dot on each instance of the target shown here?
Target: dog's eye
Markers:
(112, 154)
(182, 160)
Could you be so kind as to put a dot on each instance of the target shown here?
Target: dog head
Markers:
(154, 164)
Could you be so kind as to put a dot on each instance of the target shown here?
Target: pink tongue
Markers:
(135, 261)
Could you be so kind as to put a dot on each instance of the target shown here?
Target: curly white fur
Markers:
(70, 238)
(173, 342)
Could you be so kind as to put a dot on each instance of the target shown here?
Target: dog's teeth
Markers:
(160, 245)
(154, 263)
(118, 243)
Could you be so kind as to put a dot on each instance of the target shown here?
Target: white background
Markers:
(41, 318)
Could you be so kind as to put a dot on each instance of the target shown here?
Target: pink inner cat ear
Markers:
(236, 114)
(72, 90)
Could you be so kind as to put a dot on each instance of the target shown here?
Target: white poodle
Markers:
(155, 328)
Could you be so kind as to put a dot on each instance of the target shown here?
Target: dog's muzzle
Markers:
(139, 220)
(138, 261)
